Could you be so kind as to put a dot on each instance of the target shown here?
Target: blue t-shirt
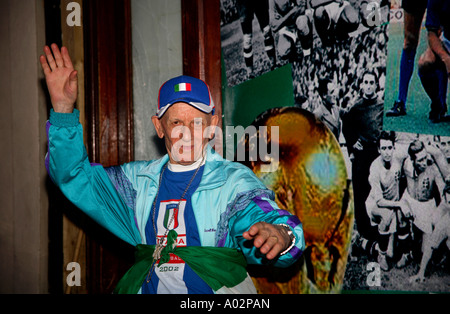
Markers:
(175, 276)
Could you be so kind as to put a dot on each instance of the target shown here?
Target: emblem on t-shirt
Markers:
(171, 216)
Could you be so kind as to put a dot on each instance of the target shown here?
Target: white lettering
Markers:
(74, 278)
(188, 147)
(74, 17)
(258, 140)
(246, 303)
(373, 15)
(192, 304)
(374, 276)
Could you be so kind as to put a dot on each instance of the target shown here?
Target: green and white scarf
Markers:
(218, 266)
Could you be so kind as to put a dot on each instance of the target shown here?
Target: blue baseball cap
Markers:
(185, 89)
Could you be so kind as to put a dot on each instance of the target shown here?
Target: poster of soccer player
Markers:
(418, 67)
(248, 44)
(408, 208)
(326, 44)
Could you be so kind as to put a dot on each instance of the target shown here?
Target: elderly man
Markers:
(192, 215)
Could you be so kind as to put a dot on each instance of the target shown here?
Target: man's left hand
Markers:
(270, 239)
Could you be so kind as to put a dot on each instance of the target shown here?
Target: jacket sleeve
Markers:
(262, 207)
(88, 186)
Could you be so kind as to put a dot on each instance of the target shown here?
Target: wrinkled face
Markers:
(386, 150)
(186, 131)
(369, 85)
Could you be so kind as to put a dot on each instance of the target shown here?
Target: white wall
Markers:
(23, 197)
(157, 57)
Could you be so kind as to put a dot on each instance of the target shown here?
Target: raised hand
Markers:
(61, 78)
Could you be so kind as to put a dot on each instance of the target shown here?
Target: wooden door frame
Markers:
(109, 124)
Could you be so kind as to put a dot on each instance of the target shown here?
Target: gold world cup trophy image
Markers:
(311, 182)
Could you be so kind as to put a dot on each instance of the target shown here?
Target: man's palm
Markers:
(61, 78)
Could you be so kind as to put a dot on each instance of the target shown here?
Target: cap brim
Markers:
(200, 106)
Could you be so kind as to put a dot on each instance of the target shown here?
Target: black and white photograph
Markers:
(327, 63)
(329, 82)
(407, 218)
(247, 39)
(338, 52)
(260, 36)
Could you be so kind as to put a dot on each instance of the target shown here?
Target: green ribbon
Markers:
(169, 248)
(217, 266)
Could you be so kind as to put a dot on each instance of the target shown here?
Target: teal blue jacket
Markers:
(228, 201)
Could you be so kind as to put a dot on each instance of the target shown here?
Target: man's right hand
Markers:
(61, 78)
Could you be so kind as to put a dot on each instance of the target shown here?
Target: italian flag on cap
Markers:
(183, 87)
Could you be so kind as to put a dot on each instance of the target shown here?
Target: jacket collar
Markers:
(210, 178)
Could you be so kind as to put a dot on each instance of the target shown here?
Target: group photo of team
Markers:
(260, 36)
(353, 65)
(406, 224)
